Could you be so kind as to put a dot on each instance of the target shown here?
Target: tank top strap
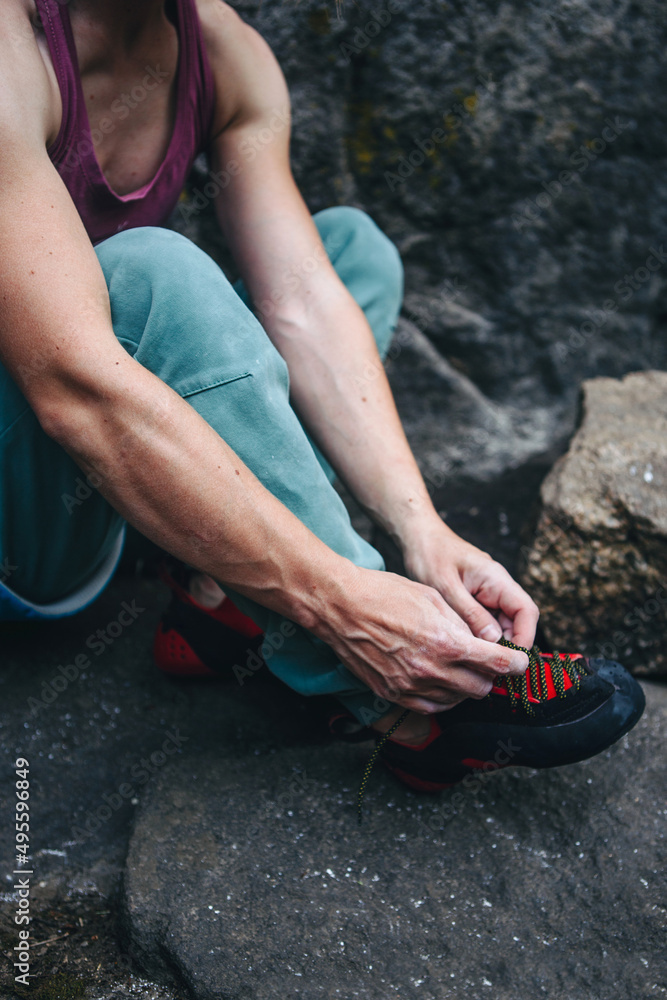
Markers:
(200, 79)
(60, 40)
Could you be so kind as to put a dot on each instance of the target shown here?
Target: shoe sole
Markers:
(615, 718)
(419, 784)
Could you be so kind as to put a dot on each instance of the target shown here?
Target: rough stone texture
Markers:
(503, 319)
(249, 878)
(457, 432)
(91, 739)
(598, 564)
(81, 745)
(519, 279)
(86, 743)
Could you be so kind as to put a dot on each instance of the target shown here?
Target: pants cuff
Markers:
(13, 607)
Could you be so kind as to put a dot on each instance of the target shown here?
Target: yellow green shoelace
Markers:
(537, 669)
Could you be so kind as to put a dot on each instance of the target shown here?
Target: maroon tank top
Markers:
(104, 212)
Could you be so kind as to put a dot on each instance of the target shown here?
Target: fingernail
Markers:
(519, 662)
(491, 633)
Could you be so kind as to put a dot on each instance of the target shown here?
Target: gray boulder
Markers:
(598, 564)
(455, 430)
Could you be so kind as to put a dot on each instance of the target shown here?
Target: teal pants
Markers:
(176, 313)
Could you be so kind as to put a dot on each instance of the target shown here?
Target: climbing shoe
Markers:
(565, 708)
(194, 641)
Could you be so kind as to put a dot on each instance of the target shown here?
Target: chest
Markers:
(131, 116)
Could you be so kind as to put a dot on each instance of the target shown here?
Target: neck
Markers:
(120, 22)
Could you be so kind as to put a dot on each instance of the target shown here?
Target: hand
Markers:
(409, 646)
(480, 590)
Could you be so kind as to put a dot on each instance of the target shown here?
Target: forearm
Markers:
(171, 476)
(337, 379)
(340, 389)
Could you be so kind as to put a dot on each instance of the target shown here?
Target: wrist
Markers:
(433, 545)
(419, 534)
(318, 602)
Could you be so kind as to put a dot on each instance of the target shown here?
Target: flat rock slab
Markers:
(249, 878)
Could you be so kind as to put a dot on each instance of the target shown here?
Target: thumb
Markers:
(480, 621)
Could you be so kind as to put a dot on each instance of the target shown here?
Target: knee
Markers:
(149, 253)
(352, 232)
(174, 310)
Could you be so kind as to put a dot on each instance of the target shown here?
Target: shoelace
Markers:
(515, 685)
(537, 669)
(373, 758)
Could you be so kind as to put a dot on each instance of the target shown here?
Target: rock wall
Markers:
(516, 154)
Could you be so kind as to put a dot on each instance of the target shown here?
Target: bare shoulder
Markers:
(27, 98)
(249, 82)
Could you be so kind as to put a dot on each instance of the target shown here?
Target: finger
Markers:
(425, 706)
(457, 682)
(496, 589)
(462, 681)
(492, 658)
(507, 625)
(481, 622)
(446, 609)
(523, 613)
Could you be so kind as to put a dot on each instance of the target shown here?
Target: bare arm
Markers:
(327, 343)
(314, 321)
